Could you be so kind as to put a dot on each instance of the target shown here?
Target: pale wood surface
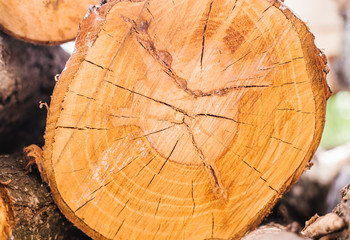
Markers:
(43, 21)
(183, 119)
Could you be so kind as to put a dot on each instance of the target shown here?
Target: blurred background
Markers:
(319, 188)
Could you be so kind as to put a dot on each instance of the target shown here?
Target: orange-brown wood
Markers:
(183, 119)
(43, 21)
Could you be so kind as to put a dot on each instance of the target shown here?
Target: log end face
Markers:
(182, 120)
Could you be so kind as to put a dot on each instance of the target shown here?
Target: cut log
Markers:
(272, 232)
(27, 210)
(183, 119)
(26, 78)
(43, 22)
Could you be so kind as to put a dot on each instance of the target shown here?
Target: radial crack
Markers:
(204, 30)
(259, 172)
(97, 65)
(165, 162)
(212, 225)
(155, 100)
(161, 130)
(84, 128)
(145, 165)
(81, 95)
(192, 195)
(164, 58)
(119, 229)
(209, 167)
(155, 214)
(222, 117)
(80, 207)
(123, 208)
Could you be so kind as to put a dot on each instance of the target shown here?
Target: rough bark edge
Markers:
(315, 61)
(78, 56)
(313, 56)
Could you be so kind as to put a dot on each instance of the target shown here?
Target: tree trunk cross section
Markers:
(183, 119)
(43, 21)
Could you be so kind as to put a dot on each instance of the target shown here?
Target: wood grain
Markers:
(43, 21)
(183, 119)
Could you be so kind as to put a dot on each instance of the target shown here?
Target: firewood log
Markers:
(43, 21)
(183, 119)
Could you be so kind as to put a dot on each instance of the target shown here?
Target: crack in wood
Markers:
(127, 164)
(81, 95)
(255, 169)
(155, 100)
(121, 116)
(164, 58)
(145, 165)
(234, 6)
(210, 169)
(148, 134)
(165, 162)
(100, 187)
(192, 195)
(222, 117)
(278, 139)
(119, 229)
(213, 175)
(155, 214)
(123, 208)
(205, 29)
(212, 225)
(80, 207)
(289, 83)
(239, 59)
(294, 110)
(84, 128)
(98, 65)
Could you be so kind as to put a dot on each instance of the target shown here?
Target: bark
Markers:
(273, 231)
(26, 78)
(31, 212)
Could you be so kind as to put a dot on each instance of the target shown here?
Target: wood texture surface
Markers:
(183, 119)
(43, 21)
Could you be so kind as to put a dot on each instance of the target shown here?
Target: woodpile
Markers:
(171, 119)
